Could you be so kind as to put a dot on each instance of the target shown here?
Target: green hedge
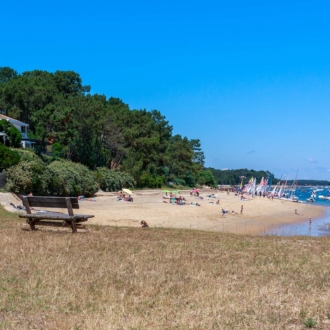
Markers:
(8, 157)
(65, 178)
(26, 177)
(60, 178)
(27, 155)
(111, 180)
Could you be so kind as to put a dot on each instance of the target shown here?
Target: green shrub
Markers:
(25, 177)
(7, 157)
(60, 178)
(310, 323)
(205, 177)
(179, 182)
(65, 178)
(110, 180)
(27, 155)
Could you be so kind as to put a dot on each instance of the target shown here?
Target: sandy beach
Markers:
(259, 214)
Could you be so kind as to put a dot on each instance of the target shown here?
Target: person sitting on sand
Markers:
(296, 212)
(129, 199)
(144, 224)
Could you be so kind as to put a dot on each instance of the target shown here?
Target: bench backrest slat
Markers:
(52, 202)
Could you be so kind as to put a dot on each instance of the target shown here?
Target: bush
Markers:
(27, 155)
(26, 177)
(310, 323)
(179, 182)
(65, 178)
(110, 180)
(150, 181)
(7, 157)
(60, 178)
(205, 177)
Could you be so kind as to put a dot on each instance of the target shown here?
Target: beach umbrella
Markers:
(127, 191)
(175, 192)
(166, 191)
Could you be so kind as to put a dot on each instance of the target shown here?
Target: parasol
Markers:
(127, 191)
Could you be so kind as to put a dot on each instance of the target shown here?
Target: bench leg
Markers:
(73, 226)
(31, 222)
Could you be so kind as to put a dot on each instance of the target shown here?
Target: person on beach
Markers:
(310, 220)
(144, 224)
(218, 202)
(242, 209)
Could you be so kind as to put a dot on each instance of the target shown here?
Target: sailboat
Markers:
(291, 197)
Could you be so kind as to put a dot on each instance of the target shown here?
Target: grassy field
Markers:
(126, 278)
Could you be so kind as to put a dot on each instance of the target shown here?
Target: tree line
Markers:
(97, 131)
(234, 177)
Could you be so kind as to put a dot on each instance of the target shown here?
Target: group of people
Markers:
(122, 197)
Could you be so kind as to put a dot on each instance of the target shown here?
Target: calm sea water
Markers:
(319, 227)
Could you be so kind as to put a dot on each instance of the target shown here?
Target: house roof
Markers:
(14, 121)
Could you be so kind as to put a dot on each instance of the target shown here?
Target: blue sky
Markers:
(250, 79)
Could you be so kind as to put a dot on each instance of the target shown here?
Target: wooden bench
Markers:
(56, 219)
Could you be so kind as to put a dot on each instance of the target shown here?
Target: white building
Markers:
(22, 127)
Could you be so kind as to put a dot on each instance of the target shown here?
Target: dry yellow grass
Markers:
(134, 278)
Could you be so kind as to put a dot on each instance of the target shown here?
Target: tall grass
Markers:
(126, 278)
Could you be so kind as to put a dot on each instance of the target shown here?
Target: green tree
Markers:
(14, 137)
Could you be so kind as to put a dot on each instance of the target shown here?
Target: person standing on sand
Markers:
(242, 209)
(310, 220)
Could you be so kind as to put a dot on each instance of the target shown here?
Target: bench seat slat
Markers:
(55, 216)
